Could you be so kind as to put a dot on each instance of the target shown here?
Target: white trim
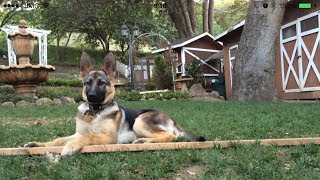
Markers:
(183, 61)
(289, 24)
(202, 61)
(281, 58)
(291, 90)
(229, 30)
(201, 49)
(311, 89)
(210, 75)
(293, 38)
(304, 89)
(298, 43)
(308, 16)
(231, 59)
(309, 31)
(184, 43)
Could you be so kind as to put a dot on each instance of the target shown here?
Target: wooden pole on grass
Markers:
(162, 146)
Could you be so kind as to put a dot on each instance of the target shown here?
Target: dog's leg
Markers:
(157, 137)
(57, 142)
(151, 132)
(86, 140)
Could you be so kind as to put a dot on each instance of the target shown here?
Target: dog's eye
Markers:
(89, 82)
(100, 82)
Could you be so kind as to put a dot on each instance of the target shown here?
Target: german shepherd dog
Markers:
(100, 120)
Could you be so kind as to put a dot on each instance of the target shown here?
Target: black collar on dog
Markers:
(98, 107)
(95, 109)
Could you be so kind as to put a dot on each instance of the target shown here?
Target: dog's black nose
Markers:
(92, 95)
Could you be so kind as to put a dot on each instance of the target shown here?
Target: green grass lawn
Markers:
(215, 120)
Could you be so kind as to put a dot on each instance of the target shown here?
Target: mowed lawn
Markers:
(214, 120)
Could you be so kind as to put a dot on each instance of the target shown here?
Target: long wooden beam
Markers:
(162, 146)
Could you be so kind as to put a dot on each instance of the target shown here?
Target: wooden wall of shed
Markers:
(205, 43)
(292, 13)
(311, 81)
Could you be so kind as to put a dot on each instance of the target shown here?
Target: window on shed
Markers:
(309, 24)
(289, 32)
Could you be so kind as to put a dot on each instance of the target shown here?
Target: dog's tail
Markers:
(188, 135)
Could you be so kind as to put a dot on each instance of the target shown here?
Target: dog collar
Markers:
(94, 109)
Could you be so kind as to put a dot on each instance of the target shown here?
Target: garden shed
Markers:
(143, 70)
(197, 48)
(297, 58)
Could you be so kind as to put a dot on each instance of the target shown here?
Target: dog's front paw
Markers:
(32, 144)
(142, 140)
(69, 150)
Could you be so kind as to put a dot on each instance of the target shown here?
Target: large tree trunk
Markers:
(205, 8)
(210, 16)
(186, 17)
(192, 16)
(182, 15)
(253, 73)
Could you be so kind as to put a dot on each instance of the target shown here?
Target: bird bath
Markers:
(24, 77)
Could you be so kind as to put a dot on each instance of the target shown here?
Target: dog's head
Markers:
(98, 87)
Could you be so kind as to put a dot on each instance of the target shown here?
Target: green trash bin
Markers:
(218, 85)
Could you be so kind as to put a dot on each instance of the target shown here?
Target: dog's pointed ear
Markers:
(85, 64)
(109, 65)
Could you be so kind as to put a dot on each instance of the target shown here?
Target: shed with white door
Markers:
(297, 66)
(199, 49)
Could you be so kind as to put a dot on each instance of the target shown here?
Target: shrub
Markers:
(156, 96)
(136, 96)
(55, 82)
(56, 92)
(128, 96)
(14, 97)
(162, 73)
(149, 86)
(7, 94)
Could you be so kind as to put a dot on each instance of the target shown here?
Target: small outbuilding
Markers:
(144, 70)
(298, 53)
(198, 48)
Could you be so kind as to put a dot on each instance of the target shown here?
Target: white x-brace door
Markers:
(300, 56)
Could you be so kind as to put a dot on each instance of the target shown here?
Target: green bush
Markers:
(55, 82)
(7, 94)
(162, 73)
(128, 96)
(14, 97)
(136, 96)
(149, 86)
(156, 96)
(56, 92)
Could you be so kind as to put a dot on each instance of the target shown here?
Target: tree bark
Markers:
(68, 39)
(205, 6)
(187, 20)
(210, 16)
(176, 19)
(253, 73)
(184, 21)
(192, 16)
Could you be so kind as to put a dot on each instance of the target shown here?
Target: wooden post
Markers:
(162, 146)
